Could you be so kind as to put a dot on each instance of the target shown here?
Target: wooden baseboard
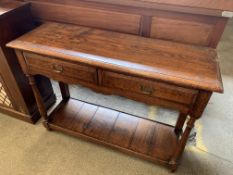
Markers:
(15, 114)
(25, 117)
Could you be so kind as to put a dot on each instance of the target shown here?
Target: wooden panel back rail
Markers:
(155, 20)
(196, 5)
(114, 63)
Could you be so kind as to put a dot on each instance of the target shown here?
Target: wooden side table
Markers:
(157, 72)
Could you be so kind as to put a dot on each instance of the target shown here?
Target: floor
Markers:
(27, 149)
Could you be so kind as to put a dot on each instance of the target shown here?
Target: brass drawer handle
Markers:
(147, 90)
(57, 68)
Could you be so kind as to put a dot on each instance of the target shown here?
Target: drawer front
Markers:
(58, 69)
(148, 87)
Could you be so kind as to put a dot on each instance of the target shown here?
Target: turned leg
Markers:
(180, 123)
(39, 100)
(195, 113)
(64, 88)
(181, 144)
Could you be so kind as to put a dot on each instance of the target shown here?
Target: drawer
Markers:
(148, 87)
(60, 70)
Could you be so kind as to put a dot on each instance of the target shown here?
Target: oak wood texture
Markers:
(212, 4)
(107, 19)
(195, 113)
(212, 8)
(222, 5)
(149, 99)
(200, 32)
(64, 90)
(130, 54)
(135, 135)
(198, 26)
(147, 87)
(49, 66)
(180, 123)
(169, 74)
(15, 20)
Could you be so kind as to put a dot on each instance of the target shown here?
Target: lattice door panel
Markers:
(4, 98)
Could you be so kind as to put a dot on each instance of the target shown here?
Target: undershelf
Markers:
(144, 138)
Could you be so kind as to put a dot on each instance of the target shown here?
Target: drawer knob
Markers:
(57, 68)
(147, 90)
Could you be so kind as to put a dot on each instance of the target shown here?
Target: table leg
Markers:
(39, 100)
(195, 113)
(181, 144)
(180, 123)
(64, 88)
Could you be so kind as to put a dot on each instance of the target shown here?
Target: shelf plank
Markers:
(150, 140)
(163, 145)
(67, 112)
(102, 123)
(123, 130)
(142, 141)
(84, 117)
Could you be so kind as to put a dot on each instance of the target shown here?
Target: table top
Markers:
(175, 63)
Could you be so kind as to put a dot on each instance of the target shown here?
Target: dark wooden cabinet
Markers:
(16, 97)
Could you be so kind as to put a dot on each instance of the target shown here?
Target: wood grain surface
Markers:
(179, 64)
(182, 24)
(206, 4)
(170, 74)
(138, 136)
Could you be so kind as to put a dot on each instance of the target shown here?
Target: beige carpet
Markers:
(31, 150)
